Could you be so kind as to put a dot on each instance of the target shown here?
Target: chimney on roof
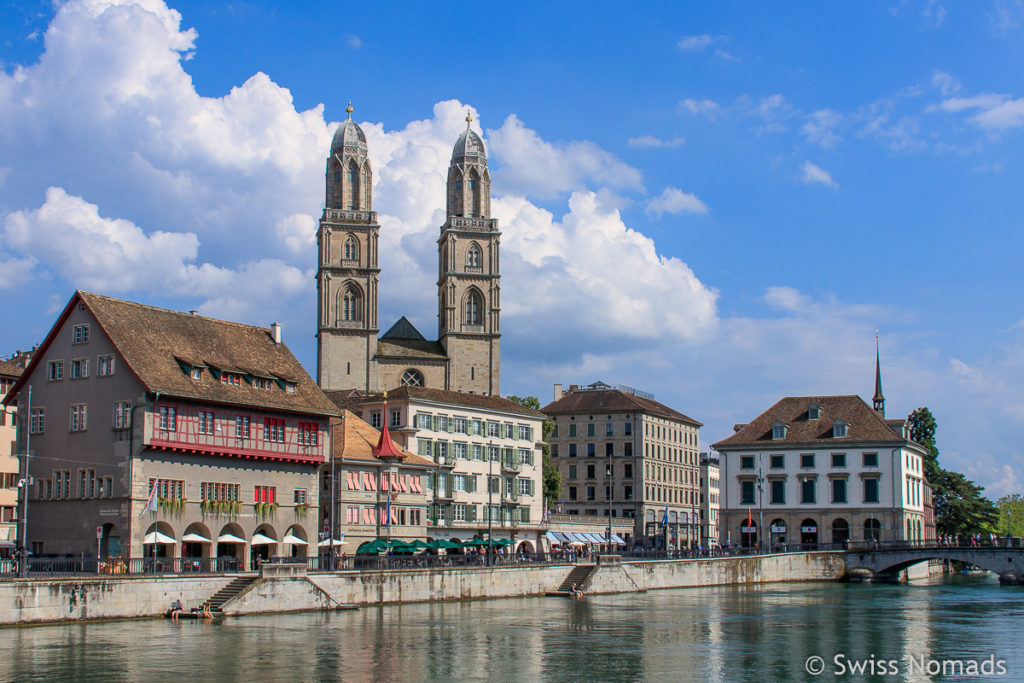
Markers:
(275, 332)
(738, 427)
(573, 387)
(558, 392)
(193, 312)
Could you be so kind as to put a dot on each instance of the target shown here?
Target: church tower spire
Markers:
(469, 279)
(879, 399)
(347, 272)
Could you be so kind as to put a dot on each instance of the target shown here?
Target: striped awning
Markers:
(618, 539)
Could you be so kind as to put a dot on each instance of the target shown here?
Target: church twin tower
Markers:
(466, 355)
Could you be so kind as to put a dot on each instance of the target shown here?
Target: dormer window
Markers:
(813, 411)
(197, 373)
(839, 429)
(778, 430)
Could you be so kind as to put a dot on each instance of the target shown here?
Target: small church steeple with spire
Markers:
(878, 401)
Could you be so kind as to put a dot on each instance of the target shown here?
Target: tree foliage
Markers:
(551, 476)
(1011, 515)
(958, 503)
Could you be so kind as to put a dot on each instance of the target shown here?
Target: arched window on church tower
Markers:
(351, 249)
(473, 256)
(474, 207)
(351, 305)
(366, 182)
(353, 187)
(473, 307)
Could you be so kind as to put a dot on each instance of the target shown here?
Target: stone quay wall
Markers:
(58, 600)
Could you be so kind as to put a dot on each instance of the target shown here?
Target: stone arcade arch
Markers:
(296, 541)
(196, 541)
(159, 540)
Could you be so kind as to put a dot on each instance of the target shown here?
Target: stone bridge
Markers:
(872, 561)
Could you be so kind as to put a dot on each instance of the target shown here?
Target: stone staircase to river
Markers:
(228, 592)
(579, 575)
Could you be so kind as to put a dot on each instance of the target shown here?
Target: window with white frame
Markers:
(396, 418)
(242, 424)
(478, 452)
(104, 366)
(459, 482)
(77, 417)
(205, 422)
(459, 510)
(169, 418)
(375, 419)
(460, 450)
(36, 420)
(55, 370)
(122, 414)
(79, 368)
(80, 334)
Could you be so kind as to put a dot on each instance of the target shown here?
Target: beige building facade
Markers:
(379, 492)
(710, 499)
(619, 449)
(822, 470)
(466, 355)
(10, 463)
(487, 459)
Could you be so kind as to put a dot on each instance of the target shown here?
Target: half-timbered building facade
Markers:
(170, 434)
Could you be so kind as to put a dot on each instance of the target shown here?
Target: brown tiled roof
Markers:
(612, 401)
(863, 424)
(411, 348)
(344, 400)
(151, 339)
(9, 369)
(355, 439)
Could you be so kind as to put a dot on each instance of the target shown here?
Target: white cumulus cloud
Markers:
(645, 141)
(675, 201)
(811, 174)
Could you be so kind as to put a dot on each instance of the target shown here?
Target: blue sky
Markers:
(717, 203)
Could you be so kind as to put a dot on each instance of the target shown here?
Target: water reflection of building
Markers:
(619, 448)
(822, 469)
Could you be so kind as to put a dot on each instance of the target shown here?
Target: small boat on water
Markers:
(194, 614)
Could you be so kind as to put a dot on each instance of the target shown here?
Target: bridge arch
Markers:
(1007, 563)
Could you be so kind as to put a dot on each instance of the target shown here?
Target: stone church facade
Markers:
(465, 357)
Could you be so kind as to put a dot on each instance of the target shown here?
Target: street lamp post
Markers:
(334, 486)
(760, 508)
(490, 498)
(23, 542)
(608, 474)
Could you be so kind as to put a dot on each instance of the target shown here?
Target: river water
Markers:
(760, 633)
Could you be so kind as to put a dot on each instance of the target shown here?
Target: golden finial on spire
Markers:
(349, 110)
(469, 118)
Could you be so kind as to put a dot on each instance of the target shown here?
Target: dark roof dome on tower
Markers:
(349, 138)
(469, 143)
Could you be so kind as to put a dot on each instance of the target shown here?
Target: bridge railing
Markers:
(999, 543)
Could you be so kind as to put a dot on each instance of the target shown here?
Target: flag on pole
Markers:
(392, 496)
(664, 519)
(151, 503)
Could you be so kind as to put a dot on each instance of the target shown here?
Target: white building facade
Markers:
(710, 499)
(821, 470)
(487, 455)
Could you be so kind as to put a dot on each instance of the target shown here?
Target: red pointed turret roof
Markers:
(386, 448)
